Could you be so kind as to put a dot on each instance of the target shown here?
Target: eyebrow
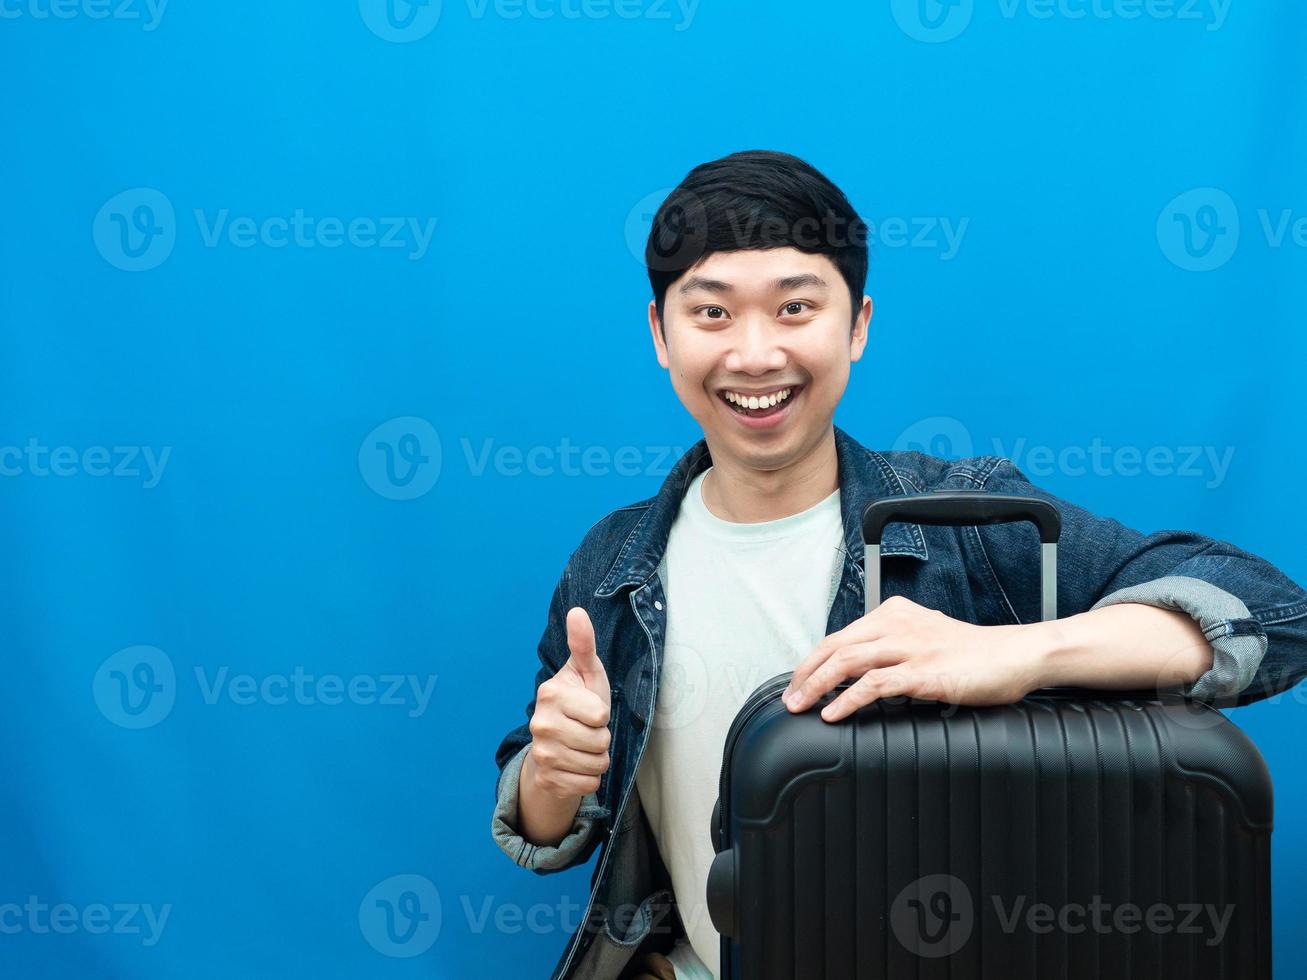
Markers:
(785, 282)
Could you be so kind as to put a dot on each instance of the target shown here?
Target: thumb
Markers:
(585, 658)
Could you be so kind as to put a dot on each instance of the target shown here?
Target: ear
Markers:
(858, 339)
(660, 345)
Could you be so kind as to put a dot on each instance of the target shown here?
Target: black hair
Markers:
(749, 200)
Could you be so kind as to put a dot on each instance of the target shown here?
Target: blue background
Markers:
(1073, 312)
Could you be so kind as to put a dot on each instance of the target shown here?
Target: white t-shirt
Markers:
(745, 602)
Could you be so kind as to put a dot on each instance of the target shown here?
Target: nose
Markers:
(755, 349)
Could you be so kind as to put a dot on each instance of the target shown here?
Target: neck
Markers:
(738, 493)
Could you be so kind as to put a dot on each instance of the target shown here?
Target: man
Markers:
(747, 564)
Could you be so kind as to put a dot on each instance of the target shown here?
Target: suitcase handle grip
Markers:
(953, 508)
(964, 508)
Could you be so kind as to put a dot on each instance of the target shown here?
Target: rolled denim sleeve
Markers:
(1238, 642)
(504, 827)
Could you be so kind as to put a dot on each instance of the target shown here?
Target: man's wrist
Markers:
(1051, 650)
(530, 774)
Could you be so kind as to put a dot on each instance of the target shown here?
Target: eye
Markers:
(789, 309)
(712, 312)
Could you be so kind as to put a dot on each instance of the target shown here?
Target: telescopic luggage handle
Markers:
(964, 508)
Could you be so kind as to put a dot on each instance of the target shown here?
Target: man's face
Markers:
(760, 324)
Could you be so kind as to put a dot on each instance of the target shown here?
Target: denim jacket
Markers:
(1253, 615)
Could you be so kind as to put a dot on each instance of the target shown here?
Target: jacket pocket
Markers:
(623, 932)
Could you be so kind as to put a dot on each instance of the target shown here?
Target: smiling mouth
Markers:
(760, 405)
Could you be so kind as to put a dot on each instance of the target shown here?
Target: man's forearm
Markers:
(543, 820)
(1130, 645)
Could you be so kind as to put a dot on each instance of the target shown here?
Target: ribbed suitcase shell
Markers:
(822, 829)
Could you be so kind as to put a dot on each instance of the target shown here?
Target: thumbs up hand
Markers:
(569, 728)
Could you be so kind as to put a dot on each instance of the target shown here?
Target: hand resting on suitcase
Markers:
(901, 648)
(569, 738)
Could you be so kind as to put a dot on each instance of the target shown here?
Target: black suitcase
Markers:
(1073, 834)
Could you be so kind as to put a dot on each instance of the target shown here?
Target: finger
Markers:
(560, 758)
(850, 661)
(553, 726)
(581, 737)
(585, 657)
(889, 682)
(583, 763)
(802, 673)
(864, 629)
(585, 706)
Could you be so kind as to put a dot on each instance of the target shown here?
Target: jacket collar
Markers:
(864, 475)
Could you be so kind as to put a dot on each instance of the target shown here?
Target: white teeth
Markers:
(756, 402)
